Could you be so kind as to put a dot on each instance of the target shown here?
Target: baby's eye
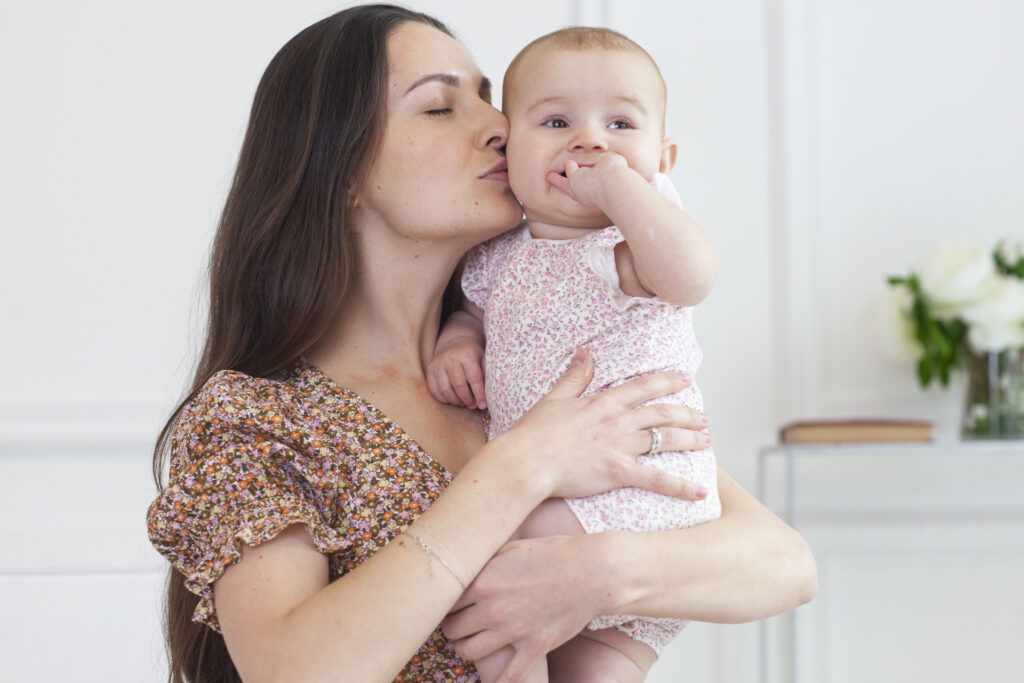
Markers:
(556, 123)
(620, 125)
(439, 112)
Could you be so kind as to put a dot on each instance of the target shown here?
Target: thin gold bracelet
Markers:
(427, 549)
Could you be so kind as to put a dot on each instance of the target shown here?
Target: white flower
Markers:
(954, 275)
(975, 414)
(996, 322)
(895, 326)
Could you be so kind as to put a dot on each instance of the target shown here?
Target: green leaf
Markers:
(1015, 269)
(924, 371)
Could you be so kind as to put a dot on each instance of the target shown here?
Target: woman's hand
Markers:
(522, 598)
(578, 447)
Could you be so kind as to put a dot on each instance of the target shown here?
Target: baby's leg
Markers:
(593, 656)
(604, 656)
(491, 666)
(551, 518)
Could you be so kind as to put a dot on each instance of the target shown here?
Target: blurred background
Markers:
(824, 144)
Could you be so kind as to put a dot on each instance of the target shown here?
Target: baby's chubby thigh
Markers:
(606, 656)
(551, 518)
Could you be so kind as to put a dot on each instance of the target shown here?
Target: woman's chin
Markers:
(499, 219)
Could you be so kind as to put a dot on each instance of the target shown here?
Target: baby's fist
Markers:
(586, 184)
(455, 375)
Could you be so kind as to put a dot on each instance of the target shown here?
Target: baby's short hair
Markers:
(581, 38)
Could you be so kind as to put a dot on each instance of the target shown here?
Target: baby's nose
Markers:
(588, 139)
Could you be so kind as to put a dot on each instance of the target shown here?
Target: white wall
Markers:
(823, 145)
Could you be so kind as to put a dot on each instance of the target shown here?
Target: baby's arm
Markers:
(455, 374)
(666, 252)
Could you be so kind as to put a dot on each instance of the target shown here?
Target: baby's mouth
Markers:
(578, 165)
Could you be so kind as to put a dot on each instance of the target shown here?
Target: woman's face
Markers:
(440, 172)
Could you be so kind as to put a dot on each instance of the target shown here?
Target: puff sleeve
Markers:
(242, 469)
(476, 281)
(601, 257)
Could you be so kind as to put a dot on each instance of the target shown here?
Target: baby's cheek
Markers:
(518, 184)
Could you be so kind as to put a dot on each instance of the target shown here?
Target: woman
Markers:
(308, 527)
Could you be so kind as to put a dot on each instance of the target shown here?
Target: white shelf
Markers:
(915, 543)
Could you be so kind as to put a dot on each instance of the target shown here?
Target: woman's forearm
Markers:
(745, 566)
(283, 621)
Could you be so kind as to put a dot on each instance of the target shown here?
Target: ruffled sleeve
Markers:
(601, 256)
(242, 469)
(485, 264)
(476, 284)
(601, 260)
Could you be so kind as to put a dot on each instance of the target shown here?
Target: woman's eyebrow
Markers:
(447, 79)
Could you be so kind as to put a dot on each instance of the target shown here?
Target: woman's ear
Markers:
(669, 151)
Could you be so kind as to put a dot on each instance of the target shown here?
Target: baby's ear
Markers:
(669, 151)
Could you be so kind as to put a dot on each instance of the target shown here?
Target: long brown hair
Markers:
(282, 258)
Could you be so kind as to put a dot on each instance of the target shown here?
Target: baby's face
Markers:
(579, 105)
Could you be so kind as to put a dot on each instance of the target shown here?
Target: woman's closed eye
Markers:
(439, 112)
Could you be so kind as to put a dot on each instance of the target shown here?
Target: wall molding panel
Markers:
(870, 180)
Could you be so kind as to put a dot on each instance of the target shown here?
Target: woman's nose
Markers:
(495, 130)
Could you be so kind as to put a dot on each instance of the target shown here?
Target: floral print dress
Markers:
(251, 456)
(542, 300)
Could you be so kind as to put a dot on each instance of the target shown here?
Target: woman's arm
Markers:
(538, 593)
(744, 566)
(281, 618)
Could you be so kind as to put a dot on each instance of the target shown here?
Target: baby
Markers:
(606, 259)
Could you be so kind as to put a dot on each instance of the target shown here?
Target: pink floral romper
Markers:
(543, 299)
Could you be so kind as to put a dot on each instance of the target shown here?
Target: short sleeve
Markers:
(601, 256)
(663, 184)
(485, 263)
(601, 260)
(476, 283)
(240, 473)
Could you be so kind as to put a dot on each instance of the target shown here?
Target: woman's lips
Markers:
(498, 172)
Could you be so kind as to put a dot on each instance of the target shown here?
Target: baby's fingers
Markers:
(432, 386)
(560, 182)
(460, 386)
(475, 378)
(445, 391)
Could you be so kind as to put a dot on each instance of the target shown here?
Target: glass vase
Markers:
(995, 396)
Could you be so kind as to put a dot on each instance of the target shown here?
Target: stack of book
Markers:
(851, 431)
